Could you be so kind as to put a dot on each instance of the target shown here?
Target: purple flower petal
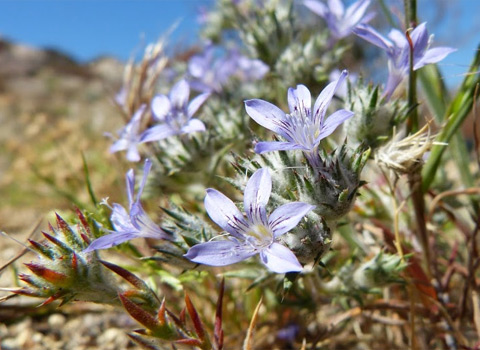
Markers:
(325, 97)
(399, 39)
(157, 132)
(291, 99)
(266, 114)
(317, 7)
(195, 104)
(193, 125)
(369, 34)
(252, 70)
(225, 214)
(286, 217)
(110, 240)
(129, 137)
(336, 7)
(160, 107)
(339, 21)
(299, 99)
(356, 11)
(220, 253)
(419, 38)
(333, 121)
(394, 79)
(144, 225)
(196, 66)
(266, 146)
(133, 224)
(120, 219)
(146, 170)
(121, 96)
(280, 259)
(256, 195)
(130, 185)
(132, 154)
(433, 56)
(179, 94)
(119, 145)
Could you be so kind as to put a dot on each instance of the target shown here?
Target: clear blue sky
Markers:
(89, 28)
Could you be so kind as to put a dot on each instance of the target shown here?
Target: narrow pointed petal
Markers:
(110, 240)
(139, 113)
(195, 104)
(433, 56)
(336, 7)
(280, 259)
(399, 39)
(179, 94)
(130, 184)
(291, 99)
(225, 213)
(333, 121)
(263, 147)
(369, 34)
(220, 253)
(286, 217)
(256, 195)
(325, 97)
(368, 17)
(193, 125)
(419, 37)
(157, 132)
(121, 96)
(160, 107)
(356, 11)
(119, 145)
(146, 170)
(317, 7)
(394, 79)
(266, 114)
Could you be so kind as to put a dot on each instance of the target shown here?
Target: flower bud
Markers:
(379, 271)
(64, 272)
(310, 241)
(333, 187)
(374, 117)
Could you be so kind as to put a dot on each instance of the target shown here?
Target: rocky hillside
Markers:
(52, 109)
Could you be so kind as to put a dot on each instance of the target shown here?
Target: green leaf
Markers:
(456, 114)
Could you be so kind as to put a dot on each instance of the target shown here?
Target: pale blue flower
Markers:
(130, 137)
(397, 48)
(132, 224)
(174, 113)
(210, 70)
(302, 128)
(255, 234)
(341, 21)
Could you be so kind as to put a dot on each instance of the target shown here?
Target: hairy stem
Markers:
(415, 177)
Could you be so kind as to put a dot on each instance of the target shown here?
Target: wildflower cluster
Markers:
(266, 107)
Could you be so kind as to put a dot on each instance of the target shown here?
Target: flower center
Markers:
(261, 234)
(177, 118)
(304, 130)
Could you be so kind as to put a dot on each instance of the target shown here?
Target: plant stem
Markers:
(415, 177)
(410, 23)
